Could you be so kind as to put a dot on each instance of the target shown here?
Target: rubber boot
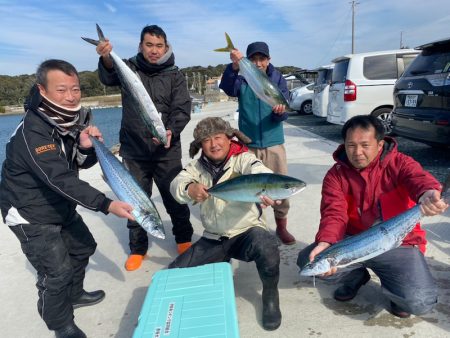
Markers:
(271, 314)
(182, 247)
(133, 262)
(69, 331)
(282, 232)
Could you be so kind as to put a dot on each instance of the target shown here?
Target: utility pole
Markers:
(401, 39)
(354, 3)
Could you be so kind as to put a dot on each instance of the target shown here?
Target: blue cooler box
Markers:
(190, 302)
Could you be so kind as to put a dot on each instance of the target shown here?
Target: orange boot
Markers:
(182, 247)
(282, 233)
(134, 262)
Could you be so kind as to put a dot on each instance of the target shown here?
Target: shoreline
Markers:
(93, 102)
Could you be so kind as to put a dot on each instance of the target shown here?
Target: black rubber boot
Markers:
(69, 331)
(89, 298)
(271, 315)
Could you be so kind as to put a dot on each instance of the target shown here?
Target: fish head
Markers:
(152, 224)
(161, 134)
(316, 267)
(294, 186)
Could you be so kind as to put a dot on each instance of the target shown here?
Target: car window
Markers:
(321, 76)
(430, 63)
(403, 61)
(340, 71)
(380, 67)
(329, 75)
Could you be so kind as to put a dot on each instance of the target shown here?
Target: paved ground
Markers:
(308, 310)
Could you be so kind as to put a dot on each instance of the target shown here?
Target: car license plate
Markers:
(411, 101)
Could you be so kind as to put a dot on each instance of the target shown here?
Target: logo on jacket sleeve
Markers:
(42, 149)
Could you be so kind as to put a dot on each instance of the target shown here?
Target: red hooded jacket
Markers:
(353, 200)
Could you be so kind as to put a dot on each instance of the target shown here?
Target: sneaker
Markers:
(349, 290)
(134, 262)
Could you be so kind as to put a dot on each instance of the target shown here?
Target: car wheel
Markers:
(306, 107)
(385, 116)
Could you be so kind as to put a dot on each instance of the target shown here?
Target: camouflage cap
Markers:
(211, 126)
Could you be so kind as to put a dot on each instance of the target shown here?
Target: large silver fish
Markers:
(133, 85)
(128, 190)
(258, 81)
(249, 188)
(365, 245)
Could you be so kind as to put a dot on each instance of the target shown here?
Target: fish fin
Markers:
(101, 36)
(229, 46)
(94, 42)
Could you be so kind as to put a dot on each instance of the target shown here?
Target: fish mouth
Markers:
(154, 227)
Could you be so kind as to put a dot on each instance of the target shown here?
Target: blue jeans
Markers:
(404, 275)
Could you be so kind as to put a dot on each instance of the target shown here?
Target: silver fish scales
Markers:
(128, 190)
(365, 245)
(249, 188)
(258, 81)
(133, 85)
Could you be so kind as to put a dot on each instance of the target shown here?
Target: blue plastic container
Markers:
(190, 302)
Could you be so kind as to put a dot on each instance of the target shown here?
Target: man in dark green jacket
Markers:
(146, 158)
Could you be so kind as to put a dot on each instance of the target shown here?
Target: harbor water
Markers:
(106, 119)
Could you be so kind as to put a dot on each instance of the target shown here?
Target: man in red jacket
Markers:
(370, 183)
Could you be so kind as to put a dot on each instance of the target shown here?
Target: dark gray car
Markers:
(422, 96)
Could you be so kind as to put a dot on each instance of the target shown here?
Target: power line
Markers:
(338, 36)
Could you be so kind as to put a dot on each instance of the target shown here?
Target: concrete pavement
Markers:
(308, 310)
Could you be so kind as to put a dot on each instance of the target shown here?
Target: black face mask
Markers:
(150, 68)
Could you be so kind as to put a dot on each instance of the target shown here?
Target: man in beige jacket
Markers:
(232, 229)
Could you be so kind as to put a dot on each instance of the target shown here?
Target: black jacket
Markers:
(40, 172)
(168, 91)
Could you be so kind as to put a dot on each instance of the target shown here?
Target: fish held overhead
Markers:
(258, 81)
(249, 188)
(128, 190)
(132, 84)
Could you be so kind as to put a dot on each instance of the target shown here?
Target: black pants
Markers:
(404, 275)
(60, 255)
(163, 172)
(256, 244)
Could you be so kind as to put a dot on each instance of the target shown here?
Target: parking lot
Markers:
(435, 160)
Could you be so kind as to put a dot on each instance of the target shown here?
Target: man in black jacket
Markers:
(143, 155)
(40, 190)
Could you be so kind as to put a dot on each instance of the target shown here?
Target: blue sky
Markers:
(302, 33)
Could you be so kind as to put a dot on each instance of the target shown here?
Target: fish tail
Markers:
(94, 42)
(229, 46)
(101, 37)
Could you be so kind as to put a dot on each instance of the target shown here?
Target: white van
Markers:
(320, 97)
(363, 84)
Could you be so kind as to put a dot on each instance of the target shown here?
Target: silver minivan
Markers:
(363, 84)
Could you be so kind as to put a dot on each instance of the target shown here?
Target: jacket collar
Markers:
(384, 156)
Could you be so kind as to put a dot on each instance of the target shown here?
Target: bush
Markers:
(2, 110)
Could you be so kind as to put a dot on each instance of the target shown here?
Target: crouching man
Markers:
(232, 229)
